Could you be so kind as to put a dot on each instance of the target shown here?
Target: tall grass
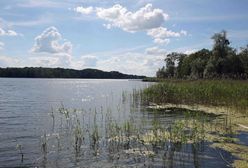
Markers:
(205, 92)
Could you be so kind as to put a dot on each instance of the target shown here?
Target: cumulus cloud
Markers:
(161, 41)
(82, 10)
(155, 51)
(49, 42)
(161, 34)
(8, 32)
(145, 18)
(51, 49)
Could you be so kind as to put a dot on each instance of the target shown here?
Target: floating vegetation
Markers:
(139, 152)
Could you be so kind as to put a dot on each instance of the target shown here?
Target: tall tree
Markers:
(218, 63)
(221, 44)
(243, 56)
(172, 60)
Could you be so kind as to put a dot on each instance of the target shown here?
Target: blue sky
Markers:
(124, 35)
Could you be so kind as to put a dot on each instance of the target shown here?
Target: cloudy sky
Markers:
(130, 36)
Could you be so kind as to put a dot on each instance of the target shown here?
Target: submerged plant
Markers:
(19, 148)
(78, 135)
(44, 145)
(53, 118)
(95, 135)
(64, 111)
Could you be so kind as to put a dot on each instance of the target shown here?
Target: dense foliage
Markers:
(39, 72)
(221, 62)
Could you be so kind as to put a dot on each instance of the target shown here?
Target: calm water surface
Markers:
(27, 107)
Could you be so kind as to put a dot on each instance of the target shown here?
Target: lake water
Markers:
(30, 117)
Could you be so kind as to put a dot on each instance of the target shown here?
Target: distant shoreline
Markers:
(124, 79)
(61, 73)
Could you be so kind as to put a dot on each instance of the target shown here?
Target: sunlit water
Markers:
(29, 110)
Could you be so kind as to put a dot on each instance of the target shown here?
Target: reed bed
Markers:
(229, 93)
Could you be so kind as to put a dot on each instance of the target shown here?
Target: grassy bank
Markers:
(232, 94)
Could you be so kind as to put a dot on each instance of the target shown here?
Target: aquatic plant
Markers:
(19, 148)
(78, 136)
(44, 145)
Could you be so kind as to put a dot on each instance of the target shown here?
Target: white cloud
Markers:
(190, 51)
(161, 41)
(6, 61)
(49, 42)
(132, 63)
(54, 60)
(51, 49)
(118, 16)
(155, 51)
(161, 34)
(125, 62)
(89, 60)
(82, 10)
(85, 61)
(1, 45)
(8, 32)
(146, 18)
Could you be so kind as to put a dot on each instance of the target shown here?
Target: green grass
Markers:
(228, 93)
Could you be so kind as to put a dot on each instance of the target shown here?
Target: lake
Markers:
(88, 123)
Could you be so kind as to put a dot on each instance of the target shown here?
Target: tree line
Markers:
(39, 72)
(222, 61)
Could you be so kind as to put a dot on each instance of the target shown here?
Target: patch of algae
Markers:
(219, 133)
(239, 120)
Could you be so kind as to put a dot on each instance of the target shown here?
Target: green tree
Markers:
(221, 45)
(218, 63)
(193, 65)
(243, 57)
(172, 60)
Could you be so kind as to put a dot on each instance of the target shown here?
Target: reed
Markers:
(19, 148)
(232, 94)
